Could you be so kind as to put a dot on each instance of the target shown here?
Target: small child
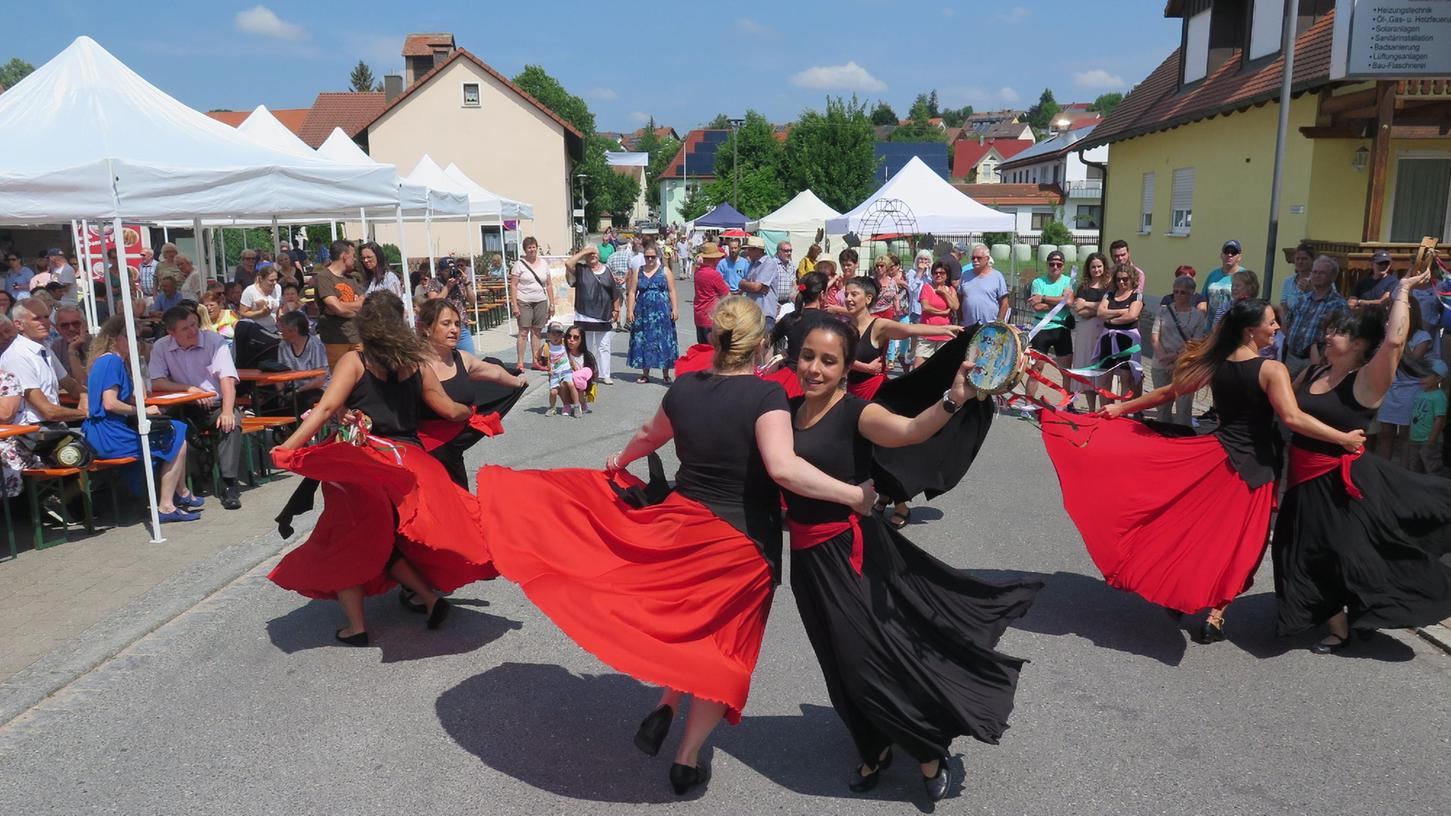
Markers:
(582, 365)
(553, 356)
(1428, 421)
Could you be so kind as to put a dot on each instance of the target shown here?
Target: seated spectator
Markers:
(168, 296)
(7, 334)
(262, 299)
(300, 350)
(233, 293)
(194, 283)
(7, 301)
(37, 381)
(13, 457)
(110, 425)
(166, 266)
(215, 316)
(194, 361)
(70, 347)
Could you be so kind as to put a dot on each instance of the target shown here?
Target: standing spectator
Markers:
(533, 304)
(785, 284)
(710, 288)
(378, 274)
(425, 284)
(758, 281)
(41, 375)
(849, 260)
(287, 269)
(1375, 290)
(1391, 441)
(1298, 284)
(1244, 285)
(1118, 252)
(682, 255)
(1053, 290)
(459, 293)
(596, 305)
(808, 263)
(1119, 310)
(262, 301)
(983, 292)
(496, 267)
(338, 293)
(62, 273)
(194, 282)
(70, 347)
(146, 272)
(619, 262)
(1218, 285)
(937, 300)
(194, 361)
(891, 286)
(17, 276)
(1314, 312)
(245, 273)
(1428, 422)
(651, 311)
(953, 259)
(833, 297)
(1095, 284)
(1177, 325)
(733, 267)
(919, 276)
(166, 266)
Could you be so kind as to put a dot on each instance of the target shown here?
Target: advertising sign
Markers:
(1391, 39)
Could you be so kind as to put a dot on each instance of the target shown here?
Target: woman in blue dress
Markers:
(111, 414)
(650, 311)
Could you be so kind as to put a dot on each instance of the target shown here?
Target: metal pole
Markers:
(428, 230)
(138, 387)
(165, 235)
(478, 231)
(334, 226)
(403, 264)
(220, 256)
(1287, 49)
(505, 260)
(76, 247)
(85, 284)
(363, 215)
(276, 235)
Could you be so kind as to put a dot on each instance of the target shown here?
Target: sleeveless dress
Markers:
(672, 588)
(1356, 532)
(1085, 337)
(381, 500)
(446, 441)
(652, 332)
(906, 643)
(860, 383)
(1181, 521)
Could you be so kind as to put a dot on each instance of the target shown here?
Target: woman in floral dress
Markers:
(650, 311)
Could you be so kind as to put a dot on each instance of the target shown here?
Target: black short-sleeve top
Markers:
(392, 404)
(837, 449)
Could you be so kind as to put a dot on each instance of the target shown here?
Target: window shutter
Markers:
(1148, 195)
(1184, 189)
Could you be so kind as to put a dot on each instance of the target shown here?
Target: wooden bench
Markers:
(252, 427)
(40, 482)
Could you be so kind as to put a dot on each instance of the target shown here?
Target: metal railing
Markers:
(1092, 188)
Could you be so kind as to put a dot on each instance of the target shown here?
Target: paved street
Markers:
(243, 704)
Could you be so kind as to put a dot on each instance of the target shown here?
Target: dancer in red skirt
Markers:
(906, 643)
(676, 592)
(1183, 521)
(391, 513)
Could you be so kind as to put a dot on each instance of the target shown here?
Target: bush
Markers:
(995, 238)
(1056, 233)
(393, 255)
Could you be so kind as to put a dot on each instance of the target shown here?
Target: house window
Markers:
(1181, 212)
(1422, 199)
(1041, 220)
(1266, 27)
(1146, 205)
(1089, 217)
(471, 94)
(1196, 47)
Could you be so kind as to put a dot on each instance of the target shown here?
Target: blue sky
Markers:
(681, 62)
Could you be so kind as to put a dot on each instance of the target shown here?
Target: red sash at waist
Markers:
(436, 432)
(806, 536)
(867, 389)
(1306, 465)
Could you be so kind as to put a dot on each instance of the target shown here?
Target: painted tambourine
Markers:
(997, 352)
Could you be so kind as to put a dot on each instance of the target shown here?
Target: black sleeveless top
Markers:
(837, 449)
(1247, 429)
(392, 404)
(865, 353)
(792, 328)
(1337, 408)
(459, 387)
(1115, 303)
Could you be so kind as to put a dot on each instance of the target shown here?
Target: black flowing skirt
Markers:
(908, 647)
(935, 466)
(1379, 557)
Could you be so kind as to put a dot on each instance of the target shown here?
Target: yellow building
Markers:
(1367, 163)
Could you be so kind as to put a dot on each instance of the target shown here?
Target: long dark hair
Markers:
(1200, 360)
(810, 290)
(589, 359)
(1368, 324)
(383, 266)
(845, 332)
(388, 342)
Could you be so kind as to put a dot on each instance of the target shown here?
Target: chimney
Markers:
(392, 86)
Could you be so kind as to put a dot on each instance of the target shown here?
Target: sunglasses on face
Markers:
(1055, 264)
(70, 324)
(651, 257)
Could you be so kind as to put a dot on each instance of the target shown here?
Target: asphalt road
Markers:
(244, 705)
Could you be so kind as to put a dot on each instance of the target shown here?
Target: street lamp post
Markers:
(735, 162)
(583, 202)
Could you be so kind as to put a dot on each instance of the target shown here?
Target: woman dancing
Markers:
(906, 643)
(1359, 540)
(674, 593)
(869, 366)
(391, 513)
(1186, 527)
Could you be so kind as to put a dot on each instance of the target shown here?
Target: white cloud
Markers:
(263, 22)
(637, 116)
(603, 93)
(848, 77)
(1097, 78)
(753, 28)
(1007, 94)
(1015, 15)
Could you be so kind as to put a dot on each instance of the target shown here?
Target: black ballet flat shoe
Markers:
(938, 786)
(1210, 632)
(1323, 648)
(406, 600)
(860, 783)
(439, 613)
(360, 639)
(685, 777)
(653, 730)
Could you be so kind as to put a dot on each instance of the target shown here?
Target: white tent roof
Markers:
(804, 213)
(415, 198)
(937, 206)
(263, 127)
(86, 137)
(508, 207)
(338, 147)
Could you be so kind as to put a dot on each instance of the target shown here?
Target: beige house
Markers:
(463, 111)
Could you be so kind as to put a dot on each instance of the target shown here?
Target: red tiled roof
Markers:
(291, 118)
(997, 195)
(968, 152)
(350, 111)
(1158, 103)
(422, 45)
(463, 53)
(677, 164)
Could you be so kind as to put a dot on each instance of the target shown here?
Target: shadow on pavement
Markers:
(400, 635)
(1252, 628)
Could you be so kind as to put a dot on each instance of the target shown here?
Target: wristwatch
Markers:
(947, 404)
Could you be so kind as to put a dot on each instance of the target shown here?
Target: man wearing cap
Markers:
(17, 276)
(1375, 290)
(1221, 280)
(710, 287)
(759, 281)
(1312, 313)
(62, 273)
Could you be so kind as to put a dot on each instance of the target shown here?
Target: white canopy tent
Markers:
(796, 220)
(85, 137)
(936, 206)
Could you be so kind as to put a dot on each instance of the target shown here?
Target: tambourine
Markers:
(1425, 255)
(999, 356)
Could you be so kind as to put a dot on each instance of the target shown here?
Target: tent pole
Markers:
(428, 228)
(200, 261)
(403, 267)
(504, 260)
(276, 236)
(165, 235)
(76, 247)
(478, 231)
(138, 390)
(85, 284)
(334, 226)
(363, 216)
(219, 258)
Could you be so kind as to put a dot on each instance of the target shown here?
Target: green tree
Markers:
(697, 203)
(1040, 116)
(883, 114)
(1056, 233)
(14, 71)
(832, 154)
(955, 117)
(362, 79)
(757, 152)
(1105, 103)
(537, 82)
(720, 122)
(919, 127)
(661, 150)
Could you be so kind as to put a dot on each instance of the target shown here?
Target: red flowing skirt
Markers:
(669, 594)
(701, 356)
(1166, 518)
(372, 504)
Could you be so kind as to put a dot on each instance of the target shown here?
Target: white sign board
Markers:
(1391, 39)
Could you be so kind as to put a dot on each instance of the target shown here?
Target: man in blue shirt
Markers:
(1313, 312)
(733, 267)
(759, 282)
(17, 277)
(984, 290)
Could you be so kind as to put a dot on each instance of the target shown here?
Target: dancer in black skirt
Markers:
(906, 642)
(1359, 541)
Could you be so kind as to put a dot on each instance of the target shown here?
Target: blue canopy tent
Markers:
(723, 217)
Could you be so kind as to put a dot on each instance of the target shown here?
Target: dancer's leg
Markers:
(351, 600)
(703, 717)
